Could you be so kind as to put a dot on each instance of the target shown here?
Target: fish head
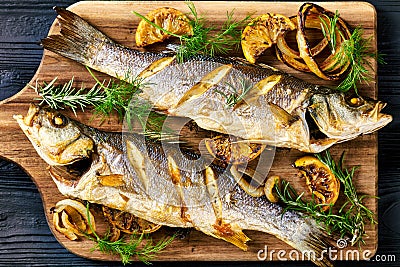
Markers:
(344, 117)
(56, 138)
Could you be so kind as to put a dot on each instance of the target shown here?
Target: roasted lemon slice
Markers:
(128, 223)
(262, 33)
(170, 19)
(321, 182)
(230, 150)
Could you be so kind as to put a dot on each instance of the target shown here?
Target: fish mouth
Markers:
(30, 117)
(377, 120)
(375, 114)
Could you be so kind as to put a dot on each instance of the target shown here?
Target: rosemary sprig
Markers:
(203, 40)
(141, 246)
(351, 217)
(106, 98)
(236, 95)
(57, 97)
(329, 30)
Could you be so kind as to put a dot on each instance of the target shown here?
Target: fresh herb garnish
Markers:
(57, 97)
(203, 40)
(120, 97)
(351, 217)
(330, 30)
(355, 50)
(236, 94)
(140, 246)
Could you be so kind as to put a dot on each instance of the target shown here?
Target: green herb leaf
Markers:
(237, 94)
(356, 51)
(330, 30)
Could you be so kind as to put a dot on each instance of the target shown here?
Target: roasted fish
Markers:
(277, 109)
(160, 183)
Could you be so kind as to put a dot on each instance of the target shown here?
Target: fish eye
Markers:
(59, 120)
(355, 101)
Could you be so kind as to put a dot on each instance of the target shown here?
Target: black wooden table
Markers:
(25, 238)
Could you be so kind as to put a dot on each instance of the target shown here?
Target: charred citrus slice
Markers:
(269, 188)
(230, 150)
(321, 182)
(262, 33)
(170, 19)
(127, 222)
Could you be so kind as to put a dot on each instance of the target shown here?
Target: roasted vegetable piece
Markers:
(321, 182)
(262, 33)
(231, 150)
(304, 44)
(71, 219)
(170, 19)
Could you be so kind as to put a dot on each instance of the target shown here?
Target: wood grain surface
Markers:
(362, 151)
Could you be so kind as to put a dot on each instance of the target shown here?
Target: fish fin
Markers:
(282, 115)
(314, 247)
(227, 232)
(78, 40)
(316, 146)
(319, 244)
(138, 162)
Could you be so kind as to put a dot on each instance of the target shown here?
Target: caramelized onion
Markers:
(309, 17)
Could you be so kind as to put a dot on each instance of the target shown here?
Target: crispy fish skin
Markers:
(273, 111)
(163, 185)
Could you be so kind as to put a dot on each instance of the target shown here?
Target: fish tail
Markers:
(78, 40)
(315, 247)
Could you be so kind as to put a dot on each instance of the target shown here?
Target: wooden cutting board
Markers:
(116, 20)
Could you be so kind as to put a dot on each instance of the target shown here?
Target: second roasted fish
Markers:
(161, 184)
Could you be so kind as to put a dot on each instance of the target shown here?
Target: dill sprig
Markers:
(203, 40)
(330, 30)
(355, 50)
(236, 94)
(118, 95)
(122, 97)
(57, 97)
(140, 246)
(352, 216)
